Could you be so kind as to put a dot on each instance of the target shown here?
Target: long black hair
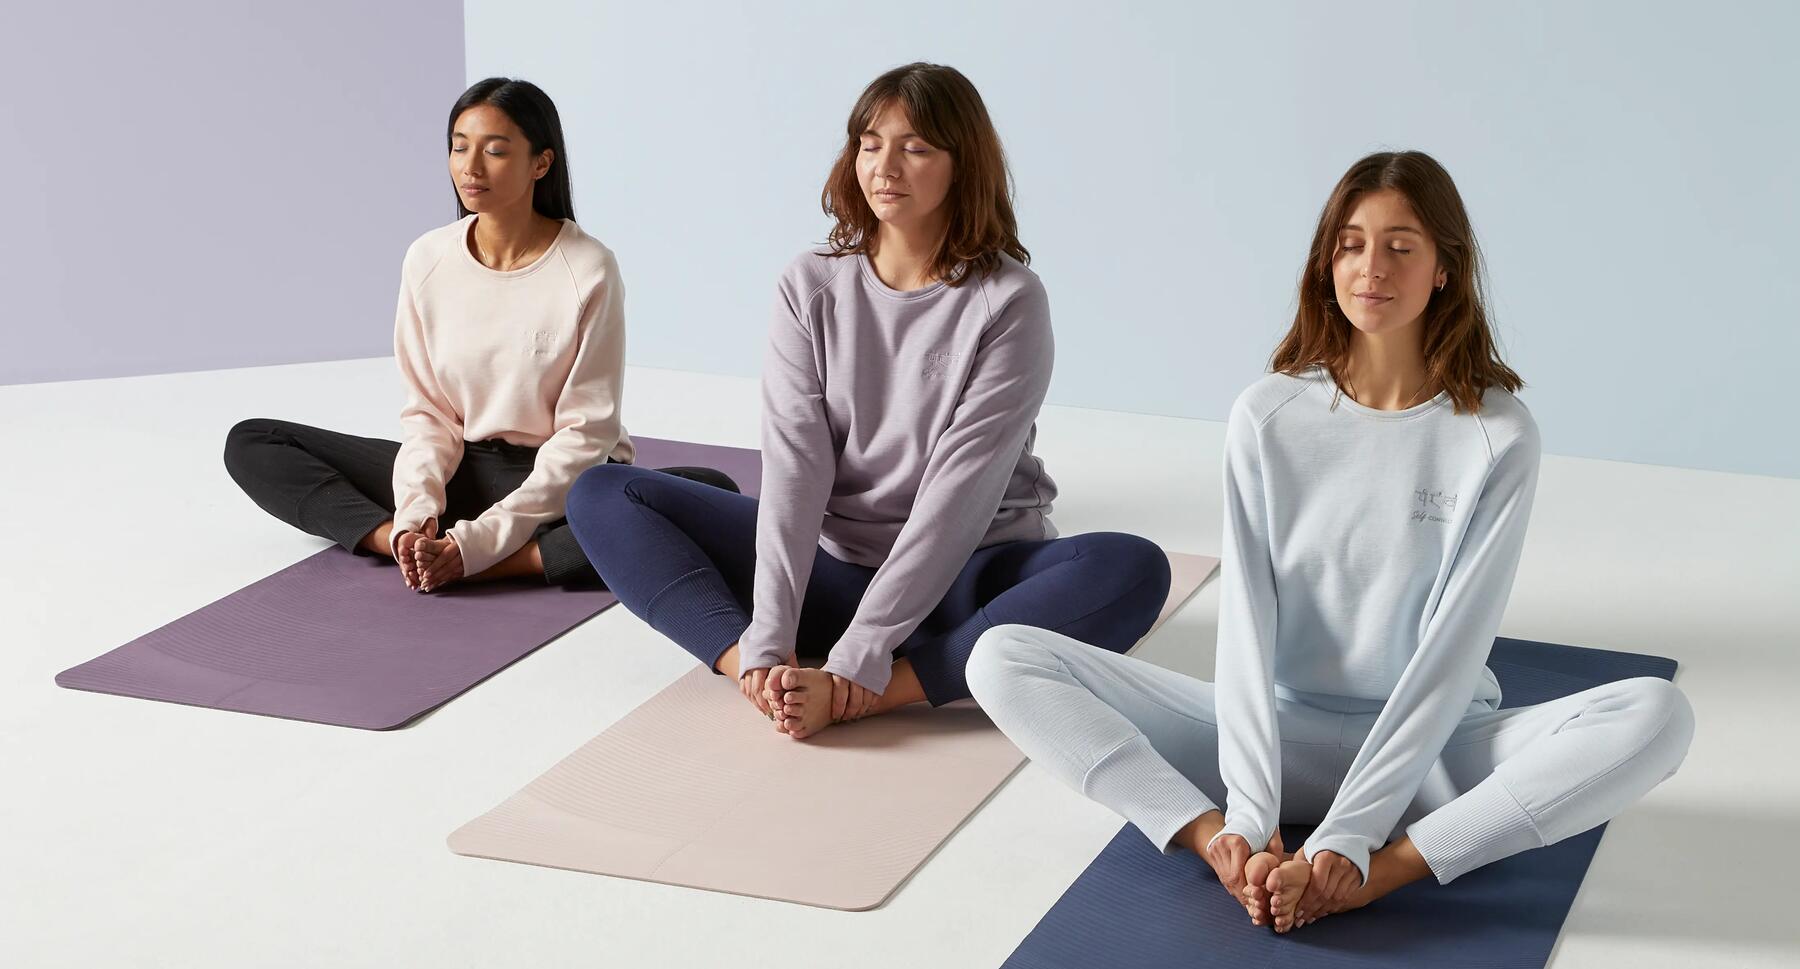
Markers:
(535, 114)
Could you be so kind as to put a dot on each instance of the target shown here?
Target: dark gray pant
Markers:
(341, 487)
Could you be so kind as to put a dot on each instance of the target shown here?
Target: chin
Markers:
(1375, 324)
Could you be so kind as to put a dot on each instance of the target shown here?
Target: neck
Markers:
(1386, 371)
(505, 236)
(903, 256)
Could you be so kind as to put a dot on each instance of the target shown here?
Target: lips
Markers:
(1372, 299)
(472, 189)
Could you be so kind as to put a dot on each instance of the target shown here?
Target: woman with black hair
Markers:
(510, 338)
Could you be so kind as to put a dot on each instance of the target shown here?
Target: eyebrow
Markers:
(1353, 227)
(458, 134)
(872, 133)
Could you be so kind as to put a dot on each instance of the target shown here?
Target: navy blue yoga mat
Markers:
(1135, 906)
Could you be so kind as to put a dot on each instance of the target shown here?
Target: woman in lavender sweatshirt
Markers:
(903, 513)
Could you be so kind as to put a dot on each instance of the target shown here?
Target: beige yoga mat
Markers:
(681, 790)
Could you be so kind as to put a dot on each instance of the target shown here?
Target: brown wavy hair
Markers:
(1460, 351)
(946, 111)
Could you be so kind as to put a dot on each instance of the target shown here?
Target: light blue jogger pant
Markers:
(1144, 741)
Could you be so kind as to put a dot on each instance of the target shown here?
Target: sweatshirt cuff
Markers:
(865, 668)
(1255, 833)
(1352, 848)
(759, 653)
(408, 520)
(477, 547)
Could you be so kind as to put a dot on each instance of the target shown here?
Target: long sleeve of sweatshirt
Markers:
(798, 465)
(1249, 741)
(431, 429)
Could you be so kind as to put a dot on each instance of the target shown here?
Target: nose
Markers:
(1373, 265)
(886, 162)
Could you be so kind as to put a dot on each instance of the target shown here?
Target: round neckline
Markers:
(874, 279)
(1345, 400)
(468, 230)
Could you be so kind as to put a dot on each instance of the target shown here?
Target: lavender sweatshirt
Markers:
(896, 433)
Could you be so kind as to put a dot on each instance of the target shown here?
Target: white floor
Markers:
(149, 834)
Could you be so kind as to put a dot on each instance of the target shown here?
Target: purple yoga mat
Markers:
(338, 639)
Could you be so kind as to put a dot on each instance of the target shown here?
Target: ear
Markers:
(541, 166)
(1443, 279)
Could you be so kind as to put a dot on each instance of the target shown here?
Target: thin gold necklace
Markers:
(486, 259)
(1350, 389)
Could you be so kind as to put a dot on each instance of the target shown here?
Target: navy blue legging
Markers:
(682, 556)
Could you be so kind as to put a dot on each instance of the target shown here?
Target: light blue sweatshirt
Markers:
(1368, 556)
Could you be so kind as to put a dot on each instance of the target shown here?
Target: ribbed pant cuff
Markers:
(1479, 828)
(564, 561)
(1140, 786)
(943, 666)
(699, 614)
(335, 510)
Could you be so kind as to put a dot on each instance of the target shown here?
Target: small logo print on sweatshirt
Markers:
(540, 342)
(938, 364)
(1433, 506)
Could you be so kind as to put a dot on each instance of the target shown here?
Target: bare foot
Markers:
(1285, 885)
(1395, 866)
(439, 562)
(801, 698)
(1256, 891)
(409, 567)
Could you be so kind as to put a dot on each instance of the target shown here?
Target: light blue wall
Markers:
(1631, 168)
(199, 184)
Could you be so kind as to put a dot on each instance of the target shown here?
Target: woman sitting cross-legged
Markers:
(510, 337)
(1377, 486)
(903, 513)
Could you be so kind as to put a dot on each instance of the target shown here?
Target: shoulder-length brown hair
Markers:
(946, 111)
(1460, 352)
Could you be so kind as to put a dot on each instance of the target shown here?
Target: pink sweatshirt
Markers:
(532, 356)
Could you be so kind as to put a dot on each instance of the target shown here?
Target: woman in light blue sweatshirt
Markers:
(1377, 488)
(904, 511)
